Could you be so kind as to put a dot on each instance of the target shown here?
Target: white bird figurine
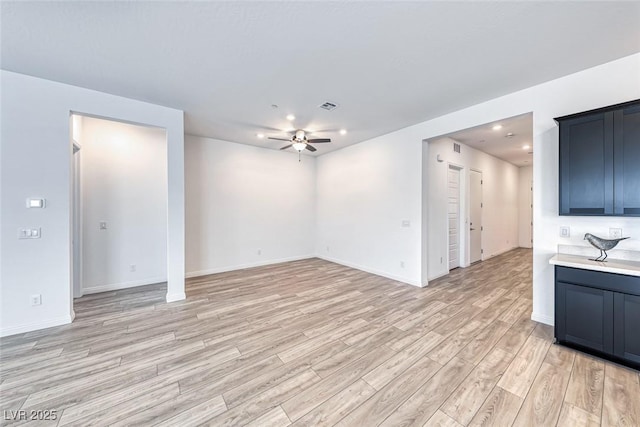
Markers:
(603, 244)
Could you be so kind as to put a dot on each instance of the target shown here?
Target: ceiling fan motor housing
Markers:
(300, 136)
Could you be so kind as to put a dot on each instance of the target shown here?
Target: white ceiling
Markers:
(498, 143)
(387, 64)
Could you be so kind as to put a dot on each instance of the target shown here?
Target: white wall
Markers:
(242, 199)
(365, 191)
(380, 181)
(124, 183)
(499, 199)
(525, 218)
(36, 162)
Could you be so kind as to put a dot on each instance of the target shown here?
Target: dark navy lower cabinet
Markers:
(598, 313)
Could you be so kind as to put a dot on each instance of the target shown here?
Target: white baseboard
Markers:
(500, 252)
(372, 271)
(542, 318)
(33, 326)
(217, 270)
(176, 297)
(123, 285)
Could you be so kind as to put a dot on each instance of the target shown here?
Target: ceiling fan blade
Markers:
(286, 146)
(319, 140)
(279, 139)
(310, 148)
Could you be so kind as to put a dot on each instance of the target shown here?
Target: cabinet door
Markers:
(627, 327)
(584, 316)
(586, 165)
(627, 161)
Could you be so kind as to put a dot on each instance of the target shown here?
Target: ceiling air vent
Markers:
(329, 106)
(456, 147)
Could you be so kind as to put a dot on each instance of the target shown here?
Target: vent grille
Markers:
(329, 106)
(456, 147)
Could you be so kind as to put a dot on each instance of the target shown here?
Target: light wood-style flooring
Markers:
(312, 343)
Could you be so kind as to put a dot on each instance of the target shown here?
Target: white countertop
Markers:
(617, 266)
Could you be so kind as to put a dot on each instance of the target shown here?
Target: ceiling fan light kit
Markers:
(299, 142)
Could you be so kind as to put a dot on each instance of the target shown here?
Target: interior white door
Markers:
(475, 216)
(453, 210)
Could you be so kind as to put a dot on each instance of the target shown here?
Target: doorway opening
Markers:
(119, 205)
(483, 177)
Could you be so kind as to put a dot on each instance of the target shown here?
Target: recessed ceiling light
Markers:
(343, 131)
(525, 147)
(497, 127)
(291, 117)
(260, 135)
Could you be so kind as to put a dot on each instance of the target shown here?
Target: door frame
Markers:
(469, 217)
(76, 259)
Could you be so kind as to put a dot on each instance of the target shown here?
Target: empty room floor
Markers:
(314, 343)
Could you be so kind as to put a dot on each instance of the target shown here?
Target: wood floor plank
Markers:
(621, 403)
(573, 416)
(586, 385)
(99, 415)
(465, 401)
(422, 404)
(498, 410)
(542, 406)
(382, 404)
(299, 405)
(522, 371)
(274, 418)
(338, 406)
(403, 360)
(266, 401)
(197, 414)
(440, 419)
(482, 343)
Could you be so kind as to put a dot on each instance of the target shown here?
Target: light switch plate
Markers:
(565, 231)
(29, 233)
(406, 223)
(36, 203)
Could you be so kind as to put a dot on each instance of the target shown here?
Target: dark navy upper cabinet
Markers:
(599, 158)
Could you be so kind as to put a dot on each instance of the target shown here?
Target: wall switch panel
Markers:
(406, 223)
(565, 231)
(36, 203)
(29, 233)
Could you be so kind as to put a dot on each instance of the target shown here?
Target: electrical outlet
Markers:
(401, 264)
(36, 299)
(327, 248)
(615, 233)
(565, 231)
(132, 268)
(259, 251)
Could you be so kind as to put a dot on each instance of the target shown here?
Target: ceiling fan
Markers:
(299, 141)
